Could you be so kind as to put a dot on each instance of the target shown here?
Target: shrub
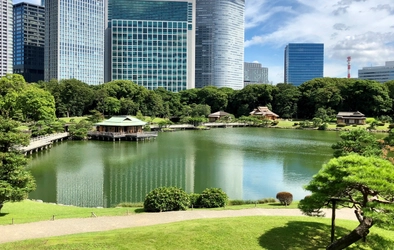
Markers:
(323, 126)
(194, 200)
(295, 124)
(285, 198)
(391, 125)
(266, 200)
(274, 123)
(166, 199)
(213, 197)
(341, 125)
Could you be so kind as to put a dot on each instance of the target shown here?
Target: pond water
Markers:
(247, 163)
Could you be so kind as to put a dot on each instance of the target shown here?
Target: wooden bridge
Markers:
(43, 142)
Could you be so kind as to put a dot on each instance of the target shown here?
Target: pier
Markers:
(118, 136)
(43, 142)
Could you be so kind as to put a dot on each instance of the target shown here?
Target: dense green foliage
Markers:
(365, 184)
(166, 199)
(357, 141)
(213, 197)
(15, 181)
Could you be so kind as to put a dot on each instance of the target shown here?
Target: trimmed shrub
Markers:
(213, 197)
(285, 198)
(194, 200)
(266, 200)
(341, 125)
(166, 199)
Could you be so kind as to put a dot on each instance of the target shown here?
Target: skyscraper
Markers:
(303, 62)
(378, 73)
(29, 41)
(220, 43)
(255, 73)
(151, 42)
(74, 44)
(6, 37)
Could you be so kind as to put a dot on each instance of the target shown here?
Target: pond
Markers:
(247, 163)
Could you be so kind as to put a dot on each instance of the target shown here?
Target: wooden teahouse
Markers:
(351, 118)
(217, 115)
(264, 113)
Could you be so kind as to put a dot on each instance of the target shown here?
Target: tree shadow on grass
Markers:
(139, 210)
(3, 214)
(312, 236)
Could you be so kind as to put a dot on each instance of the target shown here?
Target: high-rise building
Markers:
(303, 62)
(29, 41)
(220, 43)
(254, 73)
(151, 42)
(378, 73)
(6, 37)
(74, 40)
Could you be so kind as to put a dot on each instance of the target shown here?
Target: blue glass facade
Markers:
(151, 43)
(220, 43)
(29, 41)
(303, 62)
(74, 45)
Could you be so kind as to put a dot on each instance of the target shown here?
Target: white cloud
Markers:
(358, 28)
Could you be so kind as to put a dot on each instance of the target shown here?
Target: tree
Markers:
(75, 97)
(285, 100)
(15, 181)
(11, 87)
(365, 184)
(357, 141)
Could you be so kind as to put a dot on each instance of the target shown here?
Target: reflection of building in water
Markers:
(222, 172)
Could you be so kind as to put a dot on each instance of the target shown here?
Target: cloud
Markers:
(358, 28)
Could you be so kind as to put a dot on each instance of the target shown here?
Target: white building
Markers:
(378, 73)
(6, 35)
(74, 40)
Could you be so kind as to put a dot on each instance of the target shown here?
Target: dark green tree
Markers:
(285, 98)
(11, 88)
(357, 141)
(15, 181)
(365, 184)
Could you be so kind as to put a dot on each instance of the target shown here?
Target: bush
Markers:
(391, 125)
(323, 126)
(266, 200)
(194, 200)
(341, 125)
(166, 199)
(285, 198)
(213, 197)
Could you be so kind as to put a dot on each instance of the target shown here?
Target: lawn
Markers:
(31, 211)
(255, 232)
(74, 119)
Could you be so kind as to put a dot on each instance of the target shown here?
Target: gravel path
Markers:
(43, 229)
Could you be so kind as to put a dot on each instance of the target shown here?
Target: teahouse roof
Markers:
(219, 114)
(354, 115)
(122, 121)
(263, 111)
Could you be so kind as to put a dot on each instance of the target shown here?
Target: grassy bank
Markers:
(31, 211)
(257, 232)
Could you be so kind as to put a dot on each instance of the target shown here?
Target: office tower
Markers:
(220, 43)
(6, 37)
(254, 73)
(42, 2)
(152, 43)
(29, 41)
(303, 62)
(74, 43)
(378, 73)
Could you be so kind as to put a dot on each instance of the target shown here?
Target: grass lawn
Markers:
(255, 232)
(31, 211)
(75, 119)
(331, 125)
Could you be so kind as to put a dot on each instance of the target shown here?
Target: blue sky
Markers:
(362, 29)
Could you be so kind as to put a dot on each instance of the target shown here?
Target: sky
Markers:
(362, 29)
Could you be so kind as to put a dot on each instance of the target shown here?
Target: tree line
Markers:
(71, 97)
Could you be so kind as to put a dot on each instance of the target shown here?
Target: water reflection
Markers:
(246, 163)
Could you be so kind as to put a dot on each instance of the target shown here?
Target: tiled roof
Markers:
(219, 114)
(263, 111)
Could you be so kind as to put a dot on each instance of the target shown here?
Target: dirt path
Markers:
(43, 229)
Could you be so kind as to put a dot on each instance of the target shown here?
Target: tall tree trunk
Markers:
(361, 231)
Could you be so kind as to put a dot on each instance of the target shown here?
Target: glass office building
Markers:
(254, 73)
(29, 41)
(6, 21)
(152, 43)
(303, 62)
(220, 43)
(74, 44)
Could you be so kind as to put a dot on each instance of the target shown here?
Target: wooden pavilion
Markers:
(264, 113)
(217, 115)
